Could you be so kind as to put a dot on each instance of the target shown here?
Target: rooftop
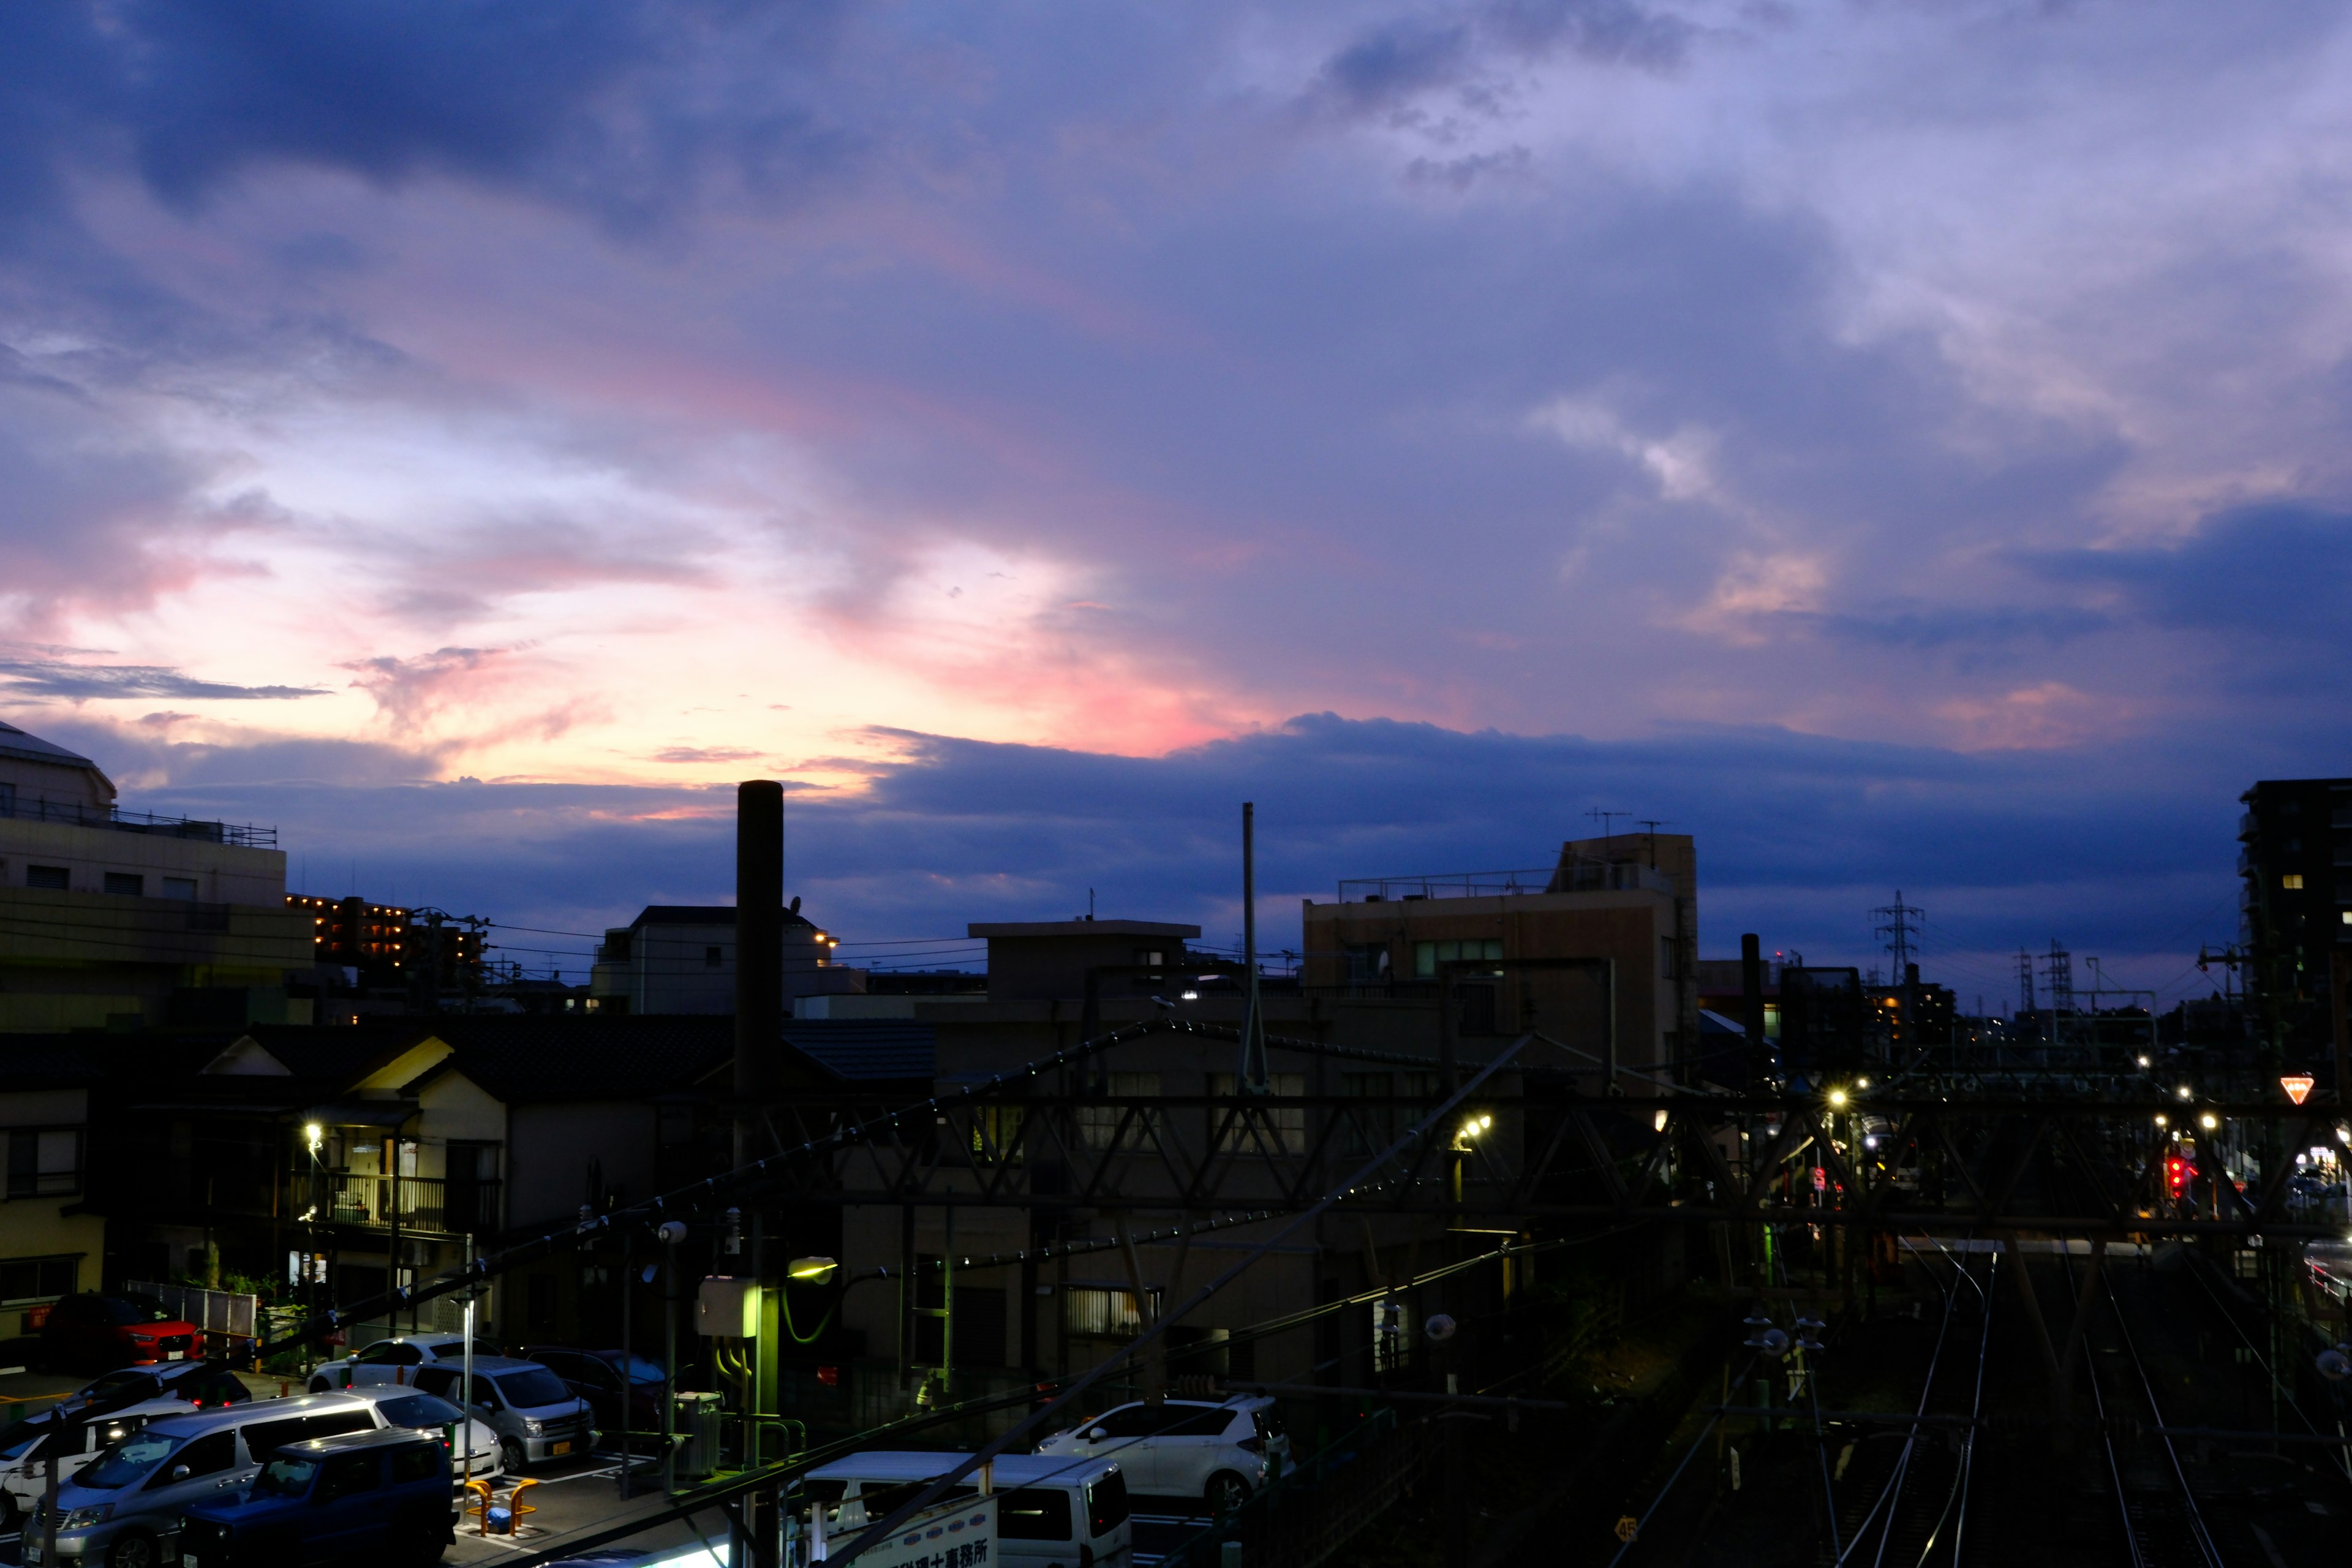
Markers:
(1081, 927)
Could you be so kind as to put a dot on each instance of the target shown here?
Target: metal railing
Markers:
(80, 813)
(1576, 876)
(424, 1203)
(226, 1312)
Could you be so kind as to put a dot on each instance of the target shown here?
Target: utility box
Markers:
(697, 1418)
(727, 1309)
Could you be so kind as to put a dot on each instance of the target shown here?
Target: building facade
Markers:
(119, 919)
(2295, 913)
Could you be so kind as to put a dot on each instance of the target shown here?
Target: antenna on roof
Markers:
(1607, 819)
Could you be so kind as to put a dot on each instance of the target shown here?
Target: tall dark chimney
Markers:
(1751, 981)
(759, 935)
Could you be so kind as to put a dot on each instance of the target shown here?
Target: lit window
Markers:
(1428, 955)
(2291, 881)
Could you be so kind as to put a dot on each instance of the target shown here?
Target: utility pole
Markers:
(1253, 1075)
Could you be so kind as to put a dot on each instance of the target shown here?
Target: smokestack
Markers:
(1751, 981)
(758, 933)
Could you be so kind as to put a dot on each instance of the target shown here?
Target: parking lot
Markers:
(574, 1497)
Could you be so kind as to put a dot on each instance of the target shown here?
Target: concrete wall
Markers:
(38, 1227)
(224, 873)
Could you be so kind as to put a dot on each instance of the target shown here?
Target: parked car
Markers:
(330, 1500)
(390, 1361)
(606, 1380)
(1058, 1512)
(413, 1408)
(1220, 1453)
(535, 1414)
(116, 1328)
(122, 1506)
(214, 1386)
(26, 1447)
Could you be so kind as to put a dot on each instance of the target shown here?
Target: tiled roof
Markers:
(596, 1056)
(866, 1049)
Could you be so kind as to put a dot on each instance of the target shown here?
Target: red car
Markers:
(104, 1331)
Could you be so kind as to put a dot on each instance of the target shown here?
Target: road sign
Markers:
(1628, 1527)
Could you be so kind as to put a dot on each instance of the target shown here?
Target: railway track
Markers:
(2156, 1507)
(1910, 1507)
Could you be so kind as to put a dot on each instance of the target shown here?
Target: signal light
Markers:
(2176, 1175)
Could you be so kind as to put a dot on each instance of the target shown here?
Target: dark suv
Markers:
(331, 1499)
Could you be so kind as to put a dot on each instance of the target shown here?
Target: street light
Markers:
(1837, 1099)
(2209, 1121)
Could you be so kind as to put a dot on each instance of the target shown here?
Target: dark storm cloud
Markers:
(1398, 59)
(2268, 579)
(550, 96)
(36, 678)
(1798, 836)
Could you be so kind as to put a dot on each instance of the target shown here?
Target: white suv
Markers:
(393, 1361)
(1220, 1453)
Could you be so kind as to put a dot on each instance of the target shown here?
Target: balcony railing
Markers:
(1575, 876)
(79, 814)
(426, 1203)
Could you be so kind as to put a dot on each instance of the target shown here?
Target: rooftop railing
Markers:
(1580, 876)
(79, 814)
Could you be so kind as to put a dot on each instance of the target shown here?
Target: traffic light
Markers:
(2176, 1176)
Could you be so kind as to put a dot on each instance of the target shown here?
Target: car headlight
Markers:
(83, 1518)
(533, 1427)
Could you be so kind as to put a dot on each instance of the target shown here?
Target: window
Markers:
(418, 1463)
(1033, 1513)
(36, 1279)
(1428, 955)
(180, 888)
(996, 1134)
(44, 1161)
(48, 876)
(7, 800)
(347, 1474)
(1366, 962)
(1391, 1336)
(128, 884)
(1097, 1124)
(266, 1437)
(713, 957)
(1150, 959)
(1107, 1504)
(2291, 881)
(1103, 1311)
(1209, 1422)
(1666, 958)
(208, 1454)
(1255, 1128)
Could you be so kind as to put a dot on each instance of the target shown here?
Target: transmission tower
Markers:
(2024, 981)
(2059, 971)
(1897, 923)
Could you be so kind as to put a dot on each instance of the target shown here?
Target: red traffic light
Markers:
(2176, 1175)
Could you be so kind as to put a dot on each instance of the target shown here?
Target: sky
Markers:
(1899, 444)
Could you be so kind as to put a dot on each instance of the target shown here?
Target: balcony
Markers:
(79, 814)
(426, 1203)
(1575, 876)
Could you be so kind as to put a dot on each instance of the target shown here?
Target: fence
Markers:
(222, 1313)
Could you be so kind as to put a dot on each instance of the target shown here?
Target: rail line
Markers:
(1920, 1514)
(2163, 1527)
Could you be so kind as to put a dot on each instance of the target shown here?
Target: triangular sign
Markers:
(2297, 1085)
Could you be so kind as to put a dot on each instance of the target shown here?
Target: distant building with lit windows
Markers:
(2296, 913)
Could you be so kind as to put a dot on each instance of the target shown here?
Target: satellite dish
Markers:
(2334, 1365)
(1439, 1329)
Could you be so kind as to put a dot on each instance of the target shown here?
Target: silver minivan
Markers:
(24, 1452)
(122, 1508)
(1051, 1513)
(535, 1415)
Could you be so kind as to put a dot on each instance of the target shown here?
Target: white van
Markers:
(1050, 1512)
(24, 1452)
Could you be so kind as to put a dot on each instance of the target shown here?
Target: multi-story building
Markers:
(680, 958)
(50, 1242)
(118, 918)
(2296, 913)
(1598, 951)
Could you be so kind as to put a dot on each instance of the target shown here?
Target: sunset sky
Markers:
(1902, 443)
